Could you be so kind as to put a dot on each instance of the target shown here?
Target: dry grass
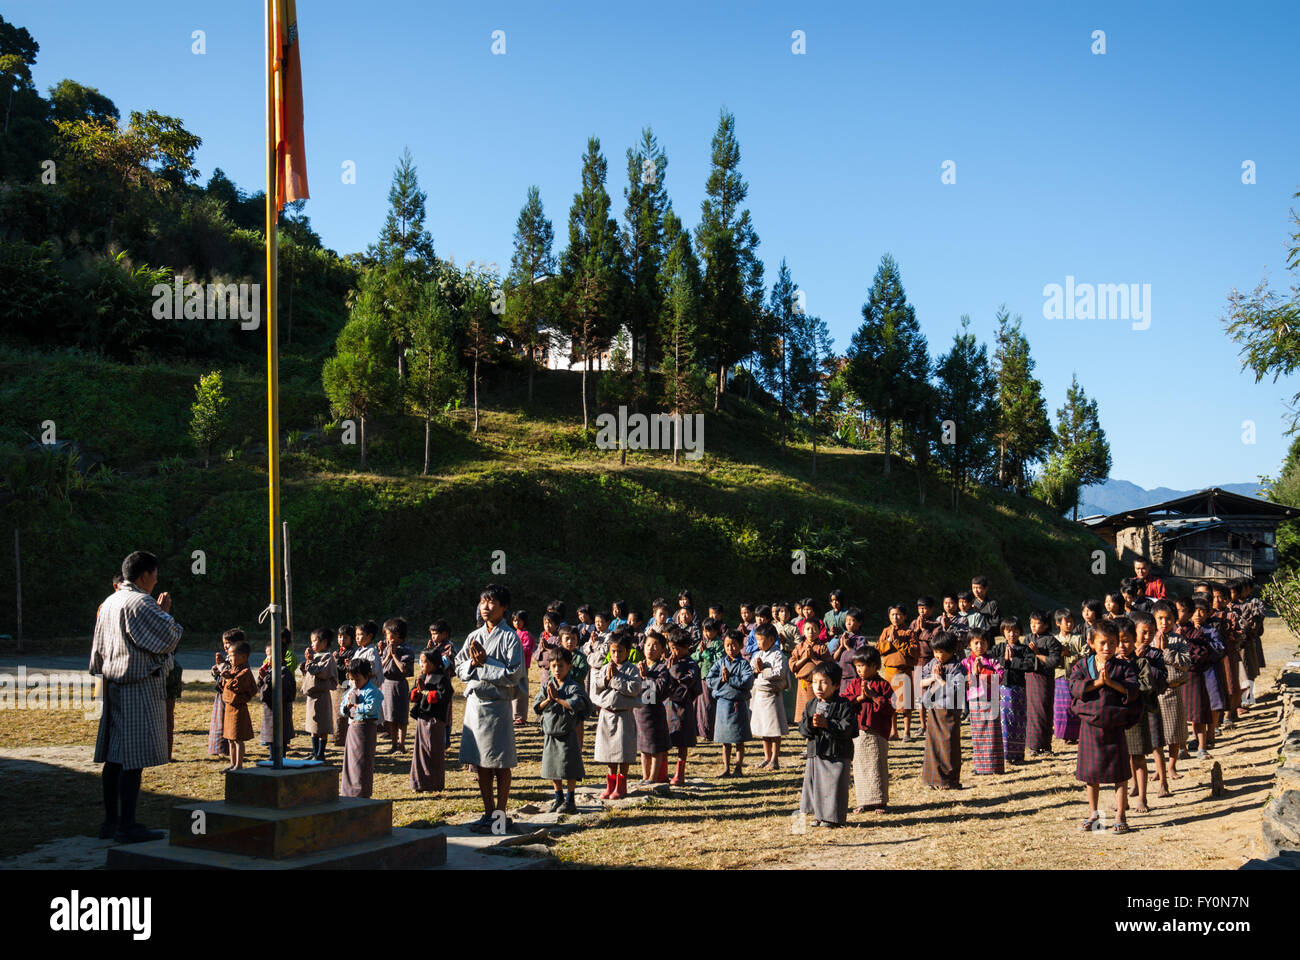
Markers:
(1026, 818)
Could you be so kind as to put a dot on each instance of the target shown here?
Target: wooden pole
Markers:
(273, 385)
(288, 582)
(18, 585)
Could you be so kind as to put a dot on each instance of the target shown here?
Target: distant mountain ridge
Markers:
(1114, 496)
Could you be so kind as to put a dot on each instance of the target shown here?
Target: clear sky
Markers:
(1117, 168)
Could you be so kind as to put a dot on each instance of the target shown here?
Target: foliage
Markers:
(1024, 433)
(209, 414)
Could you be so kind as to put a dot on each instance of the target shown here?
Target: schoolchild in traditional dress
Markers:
(1173, 711)
(1114, 604)
(440, 642)
(1017, 660)
(984, 678)
(1105, 696)
(923, 628)
(347, 639)
(835, 614)
(398, 661)
(1040, 684)
(491, 665)
(830, 725)
(367, 648)
(319, 679)
(1147, 735)
(1250, 617)
(1073, 646)
(363, 705)
(872, 699)
(519, 620)
(705, 655)
(237, 688)
(985, 604)
(618, 685)
(731, 682)
(970, 620)
(218, 746)
(943, 693)
(684, 690)
(651, 713)
(431, 691)
(288, 693)
(767, 709)
(562, 704)
(579, 670)
(1223, 621)
(849, 642)
(1215, 677)
(898, 652)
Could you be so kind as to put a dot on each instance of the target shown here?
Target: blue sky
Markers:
(1117, 168)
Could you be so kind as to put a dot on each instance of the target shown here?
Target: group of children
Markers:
(1122, 681)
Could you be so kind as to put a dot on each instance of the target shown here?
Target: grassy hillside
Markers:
(572, 522)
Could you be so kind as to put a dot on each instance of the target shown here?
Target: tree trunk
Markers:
(888, 425)
(363, 443)
(717, 392)
(676, 436)
(426, 443)
(531, 364)
(476, 391)
(585, 364)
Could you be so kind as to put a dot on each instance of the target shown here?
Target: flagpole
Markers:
(273, 391)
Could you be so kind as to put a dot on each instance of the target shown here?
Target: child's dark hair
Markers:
(854, 612)
(1220, 588)
(241, 646)
(966, 595)
(678, 637)
(837, 594)
(584, 609)
(1061, 614)
(1039, 615)
(747, 606)
(925, 600)
(568, 630)
(658, 603)
(600, 615)
(896, 606)
(1107, 628)
(497, 593)
(359, 667)
(622, 637)
(763, 610)
(945, 641)
(1116, 599)
(557, 607)
(685, 595)
(711, 625)
(562, 655)
(619, 609)
(1165, 607)
(321, 633)
(948, 594)
(765, 630)
(1013, 622)
(737, 635)
(1200, 603)
(520, 617)
(979, 580)
(867, 654)
(440, 626)
(808, 602)
(396, 625)
(233, 636)
(830, 671)
(1140, 617)
(368, 628)
(1096, 607)
(1130, 587)
(286, 635)
(347, 629)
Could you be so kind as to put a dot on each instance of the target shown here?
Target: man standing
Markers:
(979, 586)
(1152, 586)
(134, 640)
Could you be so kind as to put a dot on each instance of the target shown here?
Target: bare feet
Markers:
(1140, 808)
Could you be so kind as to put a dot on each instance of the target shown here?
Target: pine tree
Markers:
(966, 397)
(888, 358)
(728, 248)
(531, 267)
(1080, 443)
(680, 282)
(592, 268)
(359, 379)
(643, 243)
(209, 414)
(1024, 433)
(784, 361)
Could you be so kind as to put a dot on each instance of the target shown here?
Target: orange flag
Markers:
(290, 154)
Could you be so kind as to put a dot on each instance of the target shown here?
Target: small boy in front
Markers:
(830, 726)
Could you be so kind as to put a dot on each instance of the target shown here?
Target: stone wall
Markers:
(1280, 829)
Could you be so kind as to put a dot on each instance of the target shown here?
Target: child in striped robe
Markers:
(1146, 732)
(1073, 646)
(943, 694)
(1173, 711)
(1040, 689)
(1104, 694)
(984, 700)
(1017, 660)
(873, 700)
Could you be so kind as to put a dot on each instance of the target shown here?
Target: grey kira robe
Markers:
(488, 736)
(616, 727)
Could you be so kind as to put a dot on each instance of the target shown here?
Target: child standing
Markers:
(362, 705)
(1147, 734)
(578, 668)
(731, 680)
(399, 663)
(923, 628)
(618, 687)
(491, 665)
(1073, 646)
(562, 704)
(898, 652)
(769, 720)
(288, 692)
(850, 641)
(237, 688)
(683, 691)
(872, 699)
(709, 652)
(1040, 685)
(651, 713)
(984, 677)
(218, 745)
(347, 638)
(808, 652)
(1178, 663)
(1017, 660)
(520, 622)
(829, 724)
(1105, 697)
(319, 678)
(430, 694)
(943, 694)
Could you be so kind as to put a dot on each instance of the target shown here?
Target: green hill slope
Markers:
(572, 522)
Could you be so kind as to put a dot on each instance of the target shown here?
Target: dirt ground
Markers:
(1026, 818)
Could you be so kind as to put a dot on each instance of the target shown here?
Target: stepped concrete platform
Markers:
(290, 818)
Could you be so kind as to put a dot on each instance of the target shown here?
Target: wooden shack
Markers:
(1209, 535)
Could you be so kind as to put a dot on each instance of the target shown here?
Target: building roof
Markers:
(1212, 504)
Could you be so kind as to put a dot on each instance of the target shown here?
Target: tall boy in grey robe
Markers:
(491, 665)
